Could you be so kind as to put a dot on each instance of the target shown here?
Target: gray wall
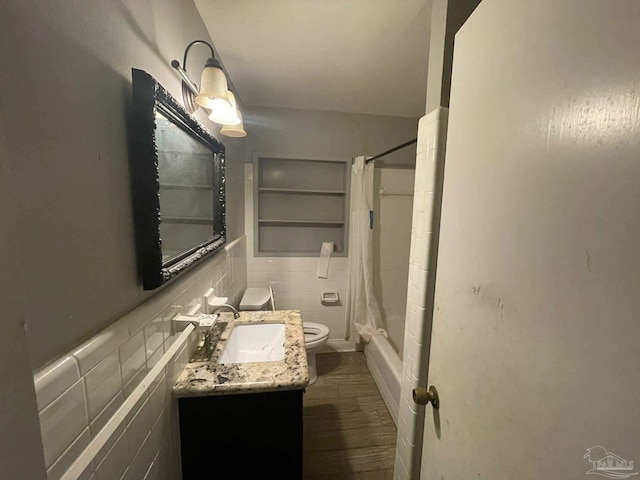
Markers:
(65, 93)
(318, 133)
(21, 453)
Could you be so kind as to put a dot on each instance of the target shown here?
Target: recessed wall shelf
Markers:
(309, 223)
(200, 220)
(185, 187)
(302, 191)
(300, 203)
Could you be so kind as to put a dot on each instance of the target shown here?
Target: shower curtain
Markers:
(362, 307)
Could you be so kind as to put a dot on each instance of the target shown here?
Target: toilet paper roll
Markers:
(323, 262)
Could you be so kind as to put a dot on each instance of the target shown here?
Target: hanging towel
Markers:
(323, 262)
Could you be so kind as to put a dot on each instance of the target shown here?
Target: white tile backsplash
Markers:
(158, 397)
(419, 287)
(153, 442)
(68, 457)
(103, 417)
(155, 357)
(116, 460)
(297, 276)
(106, 448)
(102, 383)
(297, 287)
(307, 306)
(154, 335)
(260, 277)
(139, 426)
(257, 264)
(423, 250)
(401, 471)
(97, 348)
(182, 358)
(160, 468)
(134, 381)
(79, 393)
(132, 356)
(314, 286)
(62, 421)
(55, 379)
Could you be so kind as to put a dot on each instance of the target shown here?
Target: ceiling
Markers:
(357, 56)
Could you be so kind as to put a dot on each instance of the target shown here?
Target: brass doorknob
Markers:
(422, 396)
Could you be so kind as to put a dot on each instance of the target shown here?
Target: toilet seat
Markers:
(315, 334)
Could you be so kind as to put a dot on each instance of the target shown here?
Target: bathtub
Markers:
(385, 366)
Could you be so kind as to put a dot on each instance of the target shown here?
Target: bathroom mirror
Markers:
(177, 170)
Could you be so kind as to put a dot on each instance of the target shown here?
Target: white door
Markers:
(535, 345)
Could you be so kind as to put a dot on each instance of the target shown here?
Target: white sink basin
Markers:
(262, 342)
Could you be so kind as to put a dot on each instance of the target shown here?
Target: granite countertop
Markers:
(204, 376)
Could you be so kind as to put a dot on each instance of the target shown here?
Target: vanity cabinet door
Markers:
(239, 436)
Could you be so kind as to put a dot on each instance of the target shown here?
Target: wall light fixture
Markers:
(213, 95)
(234, 130)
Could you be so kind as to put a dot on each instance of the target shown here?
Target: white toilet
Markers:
(315, 337)
(315, 334)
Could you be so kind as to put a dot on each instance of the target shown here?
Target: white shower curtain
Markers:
(362, 307)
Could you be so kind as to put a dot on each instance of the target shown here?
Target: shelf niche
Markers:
(300, 203)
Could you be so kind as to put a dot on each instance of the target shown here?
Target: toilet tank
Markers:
(256, 299)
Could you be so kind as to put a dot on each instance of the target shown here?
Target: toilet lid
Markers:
(255, 298)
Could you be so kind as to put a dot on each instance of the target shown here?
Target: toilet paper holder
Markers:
(329, 298)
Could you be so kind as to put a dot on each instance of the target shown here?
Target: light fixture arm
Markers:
(185, 78)
(195, 42)
(189, 88)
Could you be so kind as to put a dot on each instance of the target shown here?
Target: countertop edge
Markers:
(207, 378)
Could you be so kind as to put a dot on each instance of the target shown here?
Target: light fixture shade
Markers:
(234, 130)
(213, 85)
(225, 113)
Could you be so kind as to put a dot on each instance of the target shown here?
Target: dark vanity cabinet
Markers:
(243, 436)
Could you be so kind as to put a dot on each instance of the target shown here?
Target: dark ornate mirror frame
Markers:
(150, 97)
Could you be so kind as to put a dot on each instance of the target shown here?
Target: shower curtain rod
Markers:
(410, 142)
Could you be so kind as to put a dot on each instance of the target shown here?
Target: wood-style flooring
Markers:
(348, 431)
